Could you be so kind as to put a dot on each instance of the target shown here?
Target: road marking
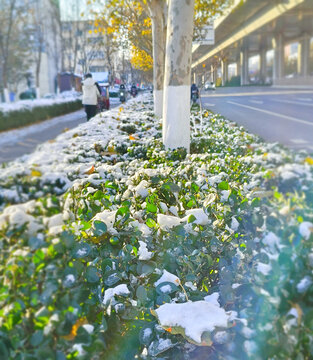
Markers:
(33, 141)
(207, 104)
(292, 102)
(298, 141)
(304, 99)
(257, 93)
(24, 144)
(273, 113)
(256, 101)
(5, 150)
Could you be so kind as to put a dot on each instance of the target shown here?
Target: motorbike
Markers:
(133, 92)
(122, 96)
(194, 96)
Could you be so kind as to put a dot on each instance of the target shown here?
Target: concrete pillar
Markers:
(224, 66)
(278, 66)
(238, 67)
(304, 55)
(213, 73)
(263, 70)
(244, 66)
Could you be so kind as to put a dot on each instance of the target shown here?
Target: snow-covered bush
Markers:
(102, 259)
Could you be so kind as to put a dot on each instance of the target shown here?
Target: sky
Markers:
(71, 10)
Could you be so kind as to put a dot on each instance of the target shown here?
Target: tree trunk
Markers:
(38, 65)
(157, 10)
(176, 112)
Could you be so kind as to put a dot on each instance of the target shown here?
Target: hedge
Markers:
(19, 118)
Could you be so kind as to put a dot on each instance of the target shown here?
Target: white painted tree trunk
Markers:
(158, 12)
(176, 107)
(37, 93)
(6, 95)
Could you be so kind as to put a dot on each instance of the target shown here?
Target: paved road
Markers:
(277, 115)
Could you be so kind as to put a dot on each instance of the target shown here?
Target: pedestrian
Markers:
(90, 96)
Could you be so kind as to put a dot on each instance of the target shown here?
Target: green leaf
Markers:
(141, 294)
(191, 218)
(223, 185)
(151, 207)
(146, 268)
(4, 352)
(162, 299)
(81, 250)
(100, 228)
(92, 274)
(34, 243)
(68, 239)
(151, 223)
(36, 338)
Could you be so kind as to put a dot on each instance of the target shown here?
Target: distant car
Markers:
(28, 94)
(209, 86)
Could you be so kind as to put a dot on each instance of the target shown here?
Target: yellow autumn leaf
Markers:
(80, 322)
(309, 160)
(131, 137)
(35, 173)
(111, 148)
(90, 171)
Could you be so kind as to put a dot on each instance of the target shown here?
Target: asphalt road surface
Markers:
(277, 115)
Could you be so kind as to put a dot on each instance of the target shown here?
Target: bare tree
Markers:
(10, 19)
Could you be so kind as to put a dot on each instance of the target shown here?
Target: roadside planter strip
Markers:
(28, 112)
(107, 240)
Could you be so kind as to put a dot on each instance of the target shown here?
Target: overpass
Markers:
(260, 42)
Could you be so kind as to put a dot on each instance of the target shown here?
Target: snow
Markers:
(30, 104)
(234, 224)
(304, 284)
(147, 333)
(195, 317)
(201, 217)
(272, 241)
(89, 328)
(213, 299)
(225, 195)
(306, 229)
(166, 289)
(142, 189)
(143, 252)
(82, 252)
(265, 269)
(167, 221)
(167, 277)
(109, 294)
(107, 217)
(69, 279)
